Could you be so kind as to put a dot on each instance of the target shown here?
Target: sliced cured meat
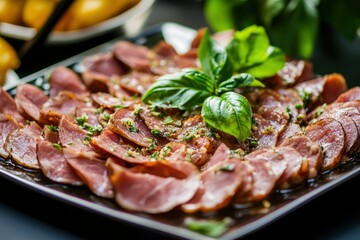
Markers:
(103, 63)
(73, 136)
(222, 153)
(188, 59)
(54, 165)
(137, 82)
(65, 103)
(293, 72)
(106, 100)
(29, 100)
(330, 135)
(263, 132)
(64, 79)
(176, 169)
(321, 90)
(7, 125)
(352, 139)
(112, 144)
(92, 172)
(297, 169)
(21, 145)
(133, 128)
(164, 50)
(166, 126)
(91, 114)
(8, 106)
(200, 150)
(96, 82)
(148, 193)
(277, 160)
(136, 57)
(309, 150)
(264, 180)
(350, 95)
(51, 133)
(290, 130)
(219, 184)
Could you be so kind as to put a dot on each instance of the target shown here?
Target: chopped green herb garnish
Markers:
(53, 128)
(228, 167)
(299, 106)
(168, 120)
(82, 120)
(212, 228)
(57, 146)
(107, 116)
(155, 132)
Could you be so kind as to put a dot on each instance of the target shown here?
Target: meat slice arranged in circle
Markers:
(54, 165)
(7, 125)
(264, 182)
(309, 150)
(21, 145)
(92, 172)
(112, 144)
(351, 94)
(8, 106)
(125, 123)
(330, 135)
(29, 100)
(143, 192)
(65, 79)
(219, 184)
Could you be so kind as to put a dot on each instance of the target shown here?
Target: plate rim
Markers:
(27, 33)
(121, 216)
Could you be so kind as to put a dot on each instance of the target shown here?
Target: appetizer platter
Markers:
(199, 136)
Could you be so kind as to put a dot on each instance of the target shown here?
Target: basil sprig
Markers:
(212, 87)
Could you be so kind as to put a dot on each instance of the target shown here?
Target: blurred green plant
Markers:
(292, 25)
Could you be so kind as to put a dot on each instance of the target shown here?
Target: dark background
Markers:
(26, 214)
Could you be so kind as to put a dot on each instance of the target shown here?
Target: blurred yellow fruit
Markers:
(82, 13)
(10, 11)
(36, 12)
(8, 59)
(85, 13)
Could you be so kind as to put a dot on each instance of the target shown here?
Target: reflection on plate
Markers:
(129, 21)
(12, 79)
(246, 220)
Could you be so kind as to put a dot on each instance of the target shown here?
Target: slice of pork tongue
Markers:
(350, 95)
(8, 106)
(21, 145)
(309, 150)
(219, 185)
(29, 100)
(92, 172)
(352, 139)
(64, 79)
(264, 182)
(329, 133)
(135, 56)
(54, 165)
(65, 103)
(297, 169)
(143, 192)
(112, 144)
(290, 130)
(7, 125)
(221, 154)
(125, 123)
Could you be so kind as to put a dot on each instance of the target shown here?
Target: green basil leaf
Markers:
(248, 47)
(269, 9)
(212, 228)
(224, 16)
(214, 60)
(240, 80)
(185, 90)
(268, 68)
(299, 40)
(230, 113)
